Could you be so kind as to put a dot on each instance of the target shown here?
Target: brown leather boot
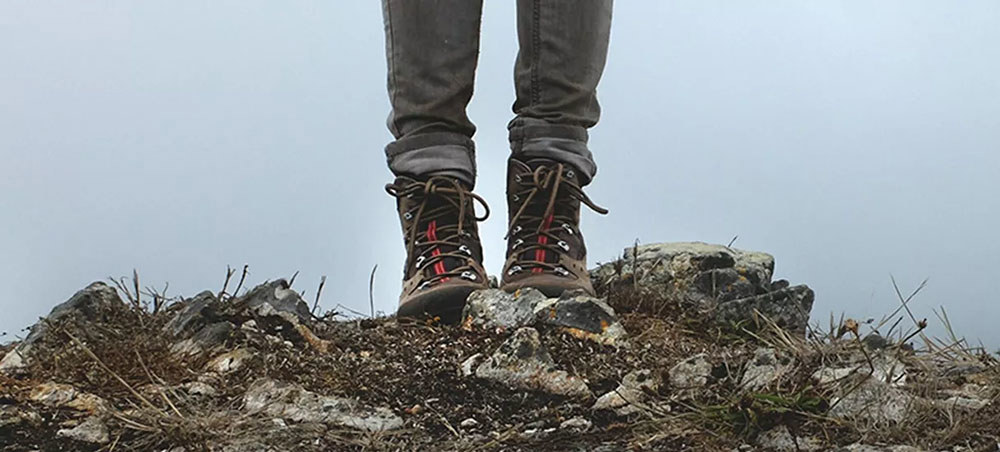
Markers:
(443, 254)
(545, 248)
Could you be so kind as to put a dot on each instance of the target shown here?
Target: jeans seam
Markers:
(392, 56)
(536, 39)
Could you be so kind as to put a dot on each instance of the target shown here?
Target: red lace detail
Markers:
(542, 239)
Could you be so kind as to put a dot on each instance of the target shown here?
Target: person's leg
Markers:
(563, 49)
(564, 46)
(432, 48)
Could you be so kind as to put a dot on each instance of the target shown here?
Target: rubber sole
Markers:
(444, 302)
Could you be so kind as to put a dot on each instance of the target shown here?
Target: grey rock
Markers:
(92, 430)
(873, 401)
(858, 447)
(581, 315)
(632, 393)
(206, 340)
(788, 308)
(58, 395)
(89, 304)
(779, 439)
(278, 295)
(577, 423)
(295, 404)
(765, 368)
(882, 368)
(495, 309)
(521, 362)
(11, 415)
(469, 423)
(693, 372)
(691, 272)
(585, 317)
(193, 314)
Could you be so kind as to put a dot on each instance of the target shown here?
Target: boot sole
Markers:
(551, 286)
(445, 302)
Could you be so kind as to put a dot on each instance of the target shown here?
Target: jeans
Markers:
(432, 47)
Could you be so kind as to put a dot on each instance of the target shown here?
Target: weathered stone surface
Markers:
(788, 308)
(495, 309)
(279, 296)
(193, 314)
(883, 369)
(765, 368)
(867, 448)
(522, 362)
(631, 394)
(87, 305)
(292, 403)
(692, 272)
(11, 415)
(206, 340)
(873, 401)
(92, 430)
(583, 316)
(779, 439)
(57, 395)
(577, 423)
(229, 361)
(693, 372)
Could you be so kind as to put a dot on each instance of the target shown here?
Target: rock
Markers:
(90, 304)
(765, 368)
(577, 423)
(92, 430)
(469, 423)
(631, 394)
(873, 401)
(693, 273)
(779, 439)
(883, 368)
(197, 388)
(583, 316)
(693, 372)
(193, 314)
(495, 309)
(57, 395)
(469, 365)
(788, 308)
(229, 361)
(521, 362)
(206, 340)
(292, 403)
(279, 296)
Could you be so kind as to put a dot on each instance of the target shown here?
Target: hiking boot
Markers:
(545, 248)
(443, 254)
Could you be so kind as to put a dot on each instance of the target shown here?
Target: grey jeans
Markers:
(432, 47)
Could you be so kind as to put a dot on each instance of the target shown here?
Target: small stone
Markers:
(198, 388)
(779, 439)
(788, 308)
(470, 364)
(57, 395)
(631, 394)
(495, 309)
(469, 423)
(522, 362)
(12, 362)
(205, 340)
(765, 368)
(92, 430)
(577, 423)
(873, 401)
(229, 361)
(279, 296)
(693, 372)
(193, 314)
(583, 316)
(12, 415)
(293, 403)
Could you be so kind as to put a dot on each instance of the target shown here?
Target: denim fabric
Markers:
(432, 49)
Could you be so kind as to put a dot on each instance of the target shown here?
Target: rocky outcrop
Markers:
(294, 404)
(522, 362)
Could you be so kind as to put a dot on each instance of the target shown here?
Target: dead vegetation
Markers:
(411, 367)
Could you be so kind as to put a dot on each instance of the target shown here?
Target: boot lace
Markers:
(546, 180)
(436, 200)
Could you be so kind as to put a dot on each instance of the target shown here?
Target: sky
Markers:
(855, 141)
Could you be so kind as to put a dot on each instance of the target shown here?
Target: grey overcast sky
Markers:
(850, 139)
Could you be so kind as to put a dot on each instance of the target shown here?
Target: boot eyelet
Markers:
(563, 245)
(408, 215)
(570, 174)
(517, 243)
(465, 250)
(424, 285)
(515, 198)
(469, 275)
(513, 270)
(419, 262)
(561, 271)
(568, 228)
(517, 229)
(517, 178)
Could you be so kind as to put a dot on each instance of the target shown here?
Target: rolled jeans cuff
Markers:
(434, 154)
(561, 143)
